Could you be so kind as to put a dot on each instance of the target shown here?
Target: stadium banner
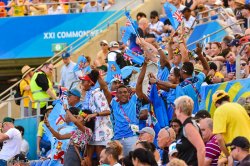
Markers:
(204, 30)
(237, 90)
(33, 36)
(30, 132)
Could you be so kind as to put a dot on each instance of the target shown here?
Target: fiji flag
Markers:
(160, 110)
(136, 58)
(113, 70)
(174, 16)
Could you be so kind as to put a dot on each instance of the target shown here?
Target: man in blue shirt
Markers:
(67, 73)
(191, 85)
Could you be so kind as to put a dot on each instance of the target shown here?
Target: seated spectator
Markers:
(140, 15)
(143, 157)
(92, 6)
(101, 58)
(18, 7)
(116, 145)
(73, 7)
(55, 8)
(155, 26)
(212, 147)
(188, 18)
(37, 8)
(109, 156)
(147, 134)
(176, 162)
(214, 76)
(25, 144)
(239, 151)
(244, 68)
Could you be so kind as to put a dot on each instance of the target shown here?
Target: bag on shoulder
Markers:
(18, 93)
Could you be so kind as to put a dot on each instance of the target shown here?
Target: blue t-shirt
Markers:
(121, 125)
(231, 67)
(162, 72)
(142, 123)
(186, 88)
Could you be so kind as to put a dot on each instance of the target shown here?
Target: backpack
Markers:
(18, 93)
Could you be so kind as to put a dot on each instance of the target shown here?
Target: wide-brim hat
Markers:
(25, 70)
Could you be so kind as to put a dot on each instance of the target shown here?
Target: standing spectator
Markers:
(190, 145)
(109, 156)
(176, 125)
(102, 54)
(240, 151)
(228, 119)
(67, 73)
(25, 145)
(97, 103)
(212, 148)
(25, 89)
(147, 134)
(12, 139)
(43, 142)
(55, 8)
(42, 87)
(92, 6)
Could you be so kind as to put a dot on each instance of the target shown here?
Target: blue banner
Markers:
(30, 131)
(236, 90)
(33, 36)
(204, 30)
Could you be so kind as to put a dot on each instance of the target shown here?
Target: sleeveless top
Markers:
(188, 4)
(186, 150)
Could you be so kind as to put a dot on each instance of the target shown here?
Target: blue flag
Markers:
(160, 110)
(113, 70)
(132, 23)
(174, 16)
(136, 58)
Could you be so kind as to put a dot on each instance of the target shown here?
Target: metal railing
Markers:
(74, 45)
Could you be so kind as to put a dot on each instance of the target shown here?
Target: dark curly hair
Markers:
(93, 75)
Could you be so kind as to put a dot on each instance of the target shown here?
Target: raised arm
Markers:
(202, 59)
(105, 89)
(138, 89)
(163, 58)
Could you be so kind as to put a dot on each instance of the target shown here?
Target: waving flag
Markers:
(136, 58)
(174, 16)
(160, 110)
(131, 23)
(113, 70)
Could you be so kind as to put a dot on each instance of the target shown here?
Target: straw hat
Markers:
(240, 2)
(25, 70)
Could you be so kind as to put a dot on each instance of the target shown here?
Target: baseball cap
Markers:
(172, 149)
(241, 142)
(148, 130)
(74, 92)
(245, 39)
(219, 94)
(234, 42)
(8, 119)
(49, 107)
(113, 44)
(65, 55)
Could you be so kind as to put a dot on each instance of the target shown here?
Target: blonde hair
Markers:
(176, 162)
(116, 145)
(185, 104)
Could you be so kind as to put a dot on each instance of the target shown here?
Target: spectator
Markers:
(234, 45)
(190, 145)
(43, 142)
(78, 138)
(178, 5)
(202, 114)
(140, 15)
(18, 7)
(74, 7)
(230, 66)
(101, 58)
(109, 156)
(240, 151)
(42, 87)
(191, 4)
(25, 90)
(37, 8)
(166, 137)
(3, 12)
(97, 103)
(19, 160)
(176, 162)
(147, 134)
(244, 69)
(25, 144)
(212, 148)
(73, 97)
(92, 6)
(245, 11)
(67, 73)
(12, 141)
(188, 18)
(143, 157)
(228, 119)
(214, 75)
(176, 125)
(82, 67)
(55, 8)
(207, 50)
(116, 145)
(155, 26)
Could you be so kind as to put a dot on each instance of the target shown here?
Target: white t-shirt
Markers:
(25, 147)
(59, 10)
(12, 146)
(158, 26)
(190, 22)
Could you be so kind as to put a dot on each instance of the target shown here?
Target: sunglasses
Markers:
(103, 44)
(243, 64)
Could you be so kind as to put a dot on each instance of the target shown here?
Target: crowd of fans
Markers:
(112, 121)
(37, 7)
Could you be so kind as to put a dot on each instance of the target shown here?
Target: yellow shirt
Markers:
(40, 130)
(231, 120)
(25, 93)
(41, 11)
(218, 74)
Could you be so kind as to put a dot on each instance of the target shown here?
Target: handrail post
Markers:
(9, 109)
(22, 107)
(30, 108)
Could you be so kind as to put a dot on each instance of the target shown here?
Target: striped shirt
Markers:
(213, 150)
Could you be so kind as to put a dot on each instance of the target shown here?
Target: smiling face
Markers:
(215, 49)
(122, 94)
